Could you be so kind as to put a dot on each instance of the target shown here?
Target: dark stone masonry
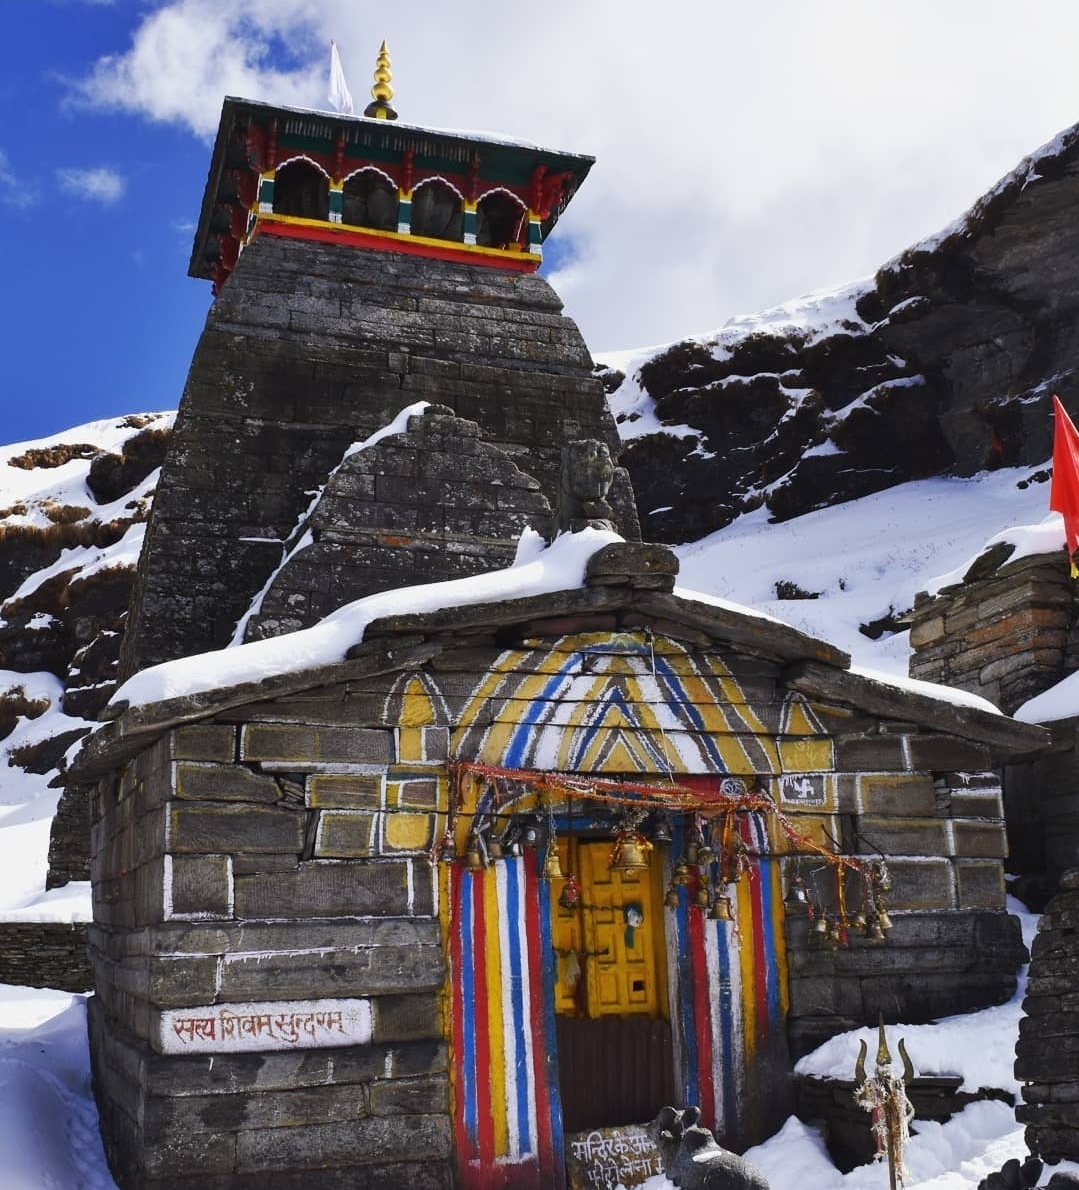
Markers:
(313, 347)
(1009, 631)
(41, 954)
(1047, 1053)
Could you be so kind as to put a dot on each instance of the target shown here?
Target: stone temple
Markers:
(434, 909)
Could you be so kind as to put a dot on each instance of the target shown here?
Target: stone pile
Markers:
(1047, 1052)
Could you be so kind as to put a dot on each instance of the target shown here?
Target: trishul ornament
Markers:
(884, 1096)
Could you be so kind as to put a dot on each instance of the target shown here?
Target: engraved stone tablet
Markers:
(608, 1157)
(267, 1025)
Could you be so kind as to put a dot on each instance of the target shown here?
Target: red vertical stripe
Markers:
(702, 1015)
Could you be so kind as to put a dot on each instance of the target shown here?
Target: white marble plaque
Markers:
(267, 1025)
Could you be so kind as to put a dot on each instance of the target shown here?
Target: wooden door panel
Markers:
(615, 1070)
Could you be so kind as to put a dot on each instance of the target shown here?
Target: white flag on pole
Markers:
(340, 96)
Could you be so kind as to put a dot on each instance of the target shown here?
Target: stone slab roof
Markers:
(629, 586)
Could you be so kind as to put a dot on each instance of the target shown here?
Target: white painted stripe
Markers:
(711, 959)
(526, 998)
(510, 1041)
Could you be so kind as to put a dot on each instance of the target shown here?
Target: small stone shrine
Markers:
(497, 875)
(1008, 631)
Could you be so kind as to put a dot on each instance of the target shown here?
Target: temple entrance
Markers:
(612, 1017)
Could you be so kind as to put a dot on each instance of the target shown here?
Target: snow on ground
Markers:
(863, 560)
(48, 1121)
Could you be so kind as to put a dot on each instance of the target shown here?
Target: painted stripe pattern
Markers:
(506, 1106)
(732, 990)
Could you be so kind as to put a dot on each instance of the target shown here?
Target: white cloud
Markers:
(14, 191)
(98, 184)
(746, 153)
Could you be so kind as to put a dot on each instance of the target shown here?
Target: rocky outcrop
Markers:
(71, 515)
(943, 363)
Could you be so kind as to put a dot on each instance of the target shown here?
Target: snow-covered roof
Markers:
(544, 582)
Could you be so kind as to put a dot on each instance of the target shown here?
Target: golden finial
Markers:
(381, 92)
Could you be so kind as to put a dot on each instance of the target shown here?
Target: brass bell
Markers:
(570, 896)
(552, 865)
(629, 854)
(705, 854)
(820, 925)
(681, 873)
(703, 897)
(691, 852)
(884, 920)
(858, 921)
(874, 932)
(797, 897)
(672, 900)
(661, 832)
(473, 857)
(447, 847)
(721, 910)
(494, 848)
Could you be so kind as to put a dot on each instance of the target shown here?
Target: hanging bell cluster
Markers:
(834, 927)
(710, 863)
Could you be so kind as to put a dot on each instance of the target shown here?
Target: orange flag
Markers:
(1064, 489)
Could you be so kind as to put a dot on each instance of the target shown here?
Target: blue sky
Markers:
(745, 154)
(99, 317)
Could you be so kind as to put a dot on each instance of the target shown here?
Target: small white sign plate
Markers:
(266, 1025)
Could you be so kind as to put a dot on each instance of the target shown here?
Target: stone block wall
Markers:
(1009, 632)
(224, 910)
(308, 349)
(932, 806)
(41, 954)
(434, 502)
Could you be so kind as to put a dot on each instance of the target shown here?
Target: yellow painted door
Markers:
(610, 947)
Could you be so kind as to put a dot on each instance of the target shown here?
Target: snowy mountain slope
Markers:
(72, 513)
(940, 364)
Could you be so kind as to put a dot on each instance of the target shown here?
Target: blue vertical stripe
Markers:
(691, 1070)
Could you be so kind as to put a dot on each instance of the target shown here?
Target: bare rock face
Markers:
(942, 364)
(69, 512)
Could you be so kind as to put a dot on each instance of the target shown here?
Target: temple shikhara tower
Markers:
(434, 893)
(361, 265)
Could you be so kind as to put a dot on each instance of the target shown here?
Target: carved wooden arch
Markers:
(434, 214)
(369, 199)
(501, 218)
(304, 191)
